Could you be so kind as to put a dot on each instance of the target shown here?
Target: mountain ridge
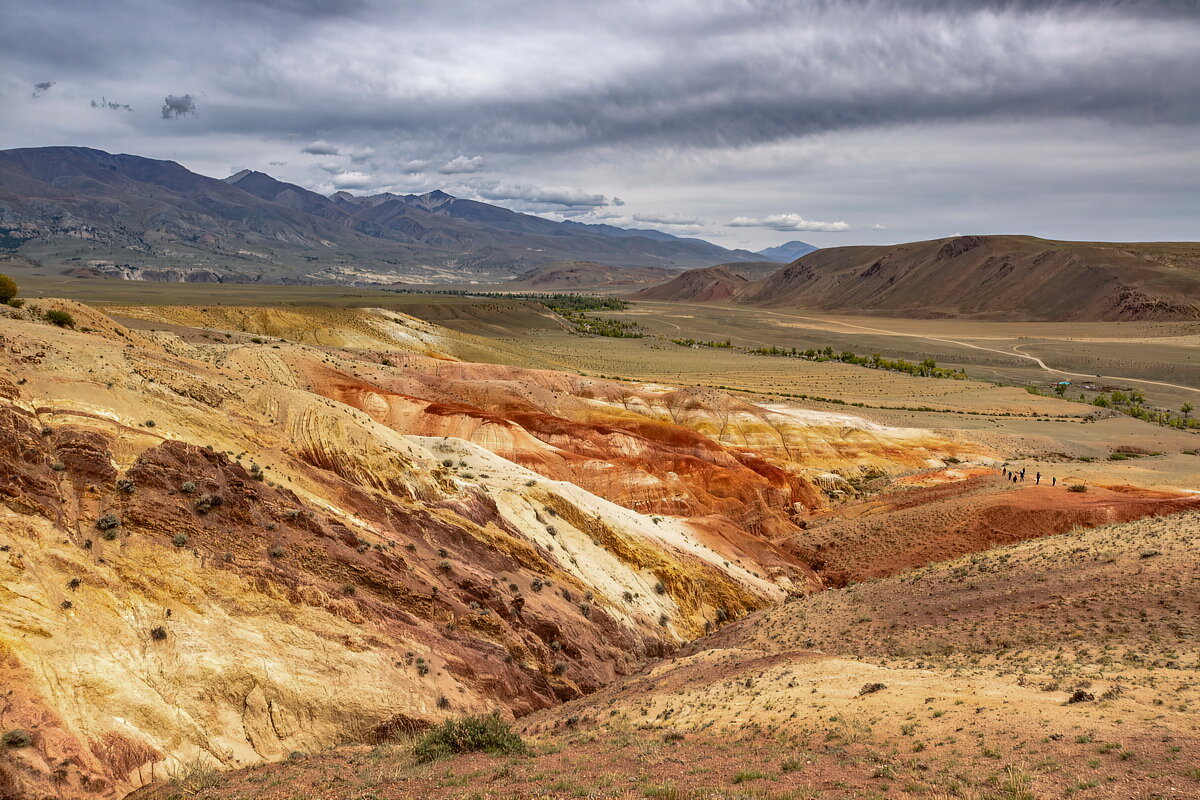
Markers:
(148, 219)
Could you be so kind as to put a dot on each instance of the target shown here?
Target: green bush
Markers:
(8, 288)
(476, 734)
(60, 318)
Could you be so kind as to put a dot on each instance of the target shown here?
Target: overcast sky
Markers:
(749, 123)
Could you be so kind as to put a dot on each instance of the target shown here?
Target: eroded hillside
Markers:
(219, 547)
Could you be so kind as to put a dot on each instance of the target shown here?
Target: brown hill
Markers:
(697, 285)
(1003, 277)
(589, 275)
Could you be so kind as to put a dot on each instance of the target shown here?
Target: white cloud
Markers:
(320, 148)
(552, 195)
(788, 222)
(879, 226)
(352, 180)
(462, 165)
(682, 220)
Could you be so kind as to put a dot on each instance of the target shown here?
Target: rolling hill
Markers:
(144, 219)
(987, 277)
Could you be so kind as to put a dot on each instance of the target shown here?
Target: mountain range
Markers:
(990, 277)
(125, 216)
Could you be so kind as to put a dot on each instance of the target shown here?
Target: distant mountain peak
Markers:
(788, 252)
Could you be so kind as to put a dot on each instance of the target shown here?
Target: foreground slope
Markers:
(1061, 666)
(1032, 671)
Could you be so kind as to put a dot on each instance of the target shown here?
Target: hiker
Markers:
(1038, 480)
(1022, 474)
(1054, 481)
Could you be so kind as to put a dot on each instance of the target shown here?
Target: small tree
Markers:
(8, 288)
(1186, 409)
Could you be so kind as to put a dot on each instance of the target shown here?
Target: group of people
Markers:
(1019, 477)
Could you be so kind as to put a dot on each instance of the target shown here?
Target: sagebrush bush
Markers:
(60, 318)
(8, 288)
(475, 734)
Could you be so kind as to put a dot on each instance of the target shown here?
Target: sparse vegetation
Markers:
(62, 319)
(8, 289)
(487, 734)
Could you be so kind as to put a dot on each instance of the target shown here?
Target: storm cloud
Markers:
(752, 118)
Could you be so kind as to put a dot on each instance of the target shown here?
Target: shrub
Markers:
(1080, 696)
(660, 588)
(17, 737)
(158, 634)
(276, 552)
(8, 288)
(125, 485)
(206, 504)
(188, 487)
(179, 539)
(1077, 487)
(871, 688)
(58, 466)
(60, 318)
(476, 734)
(108, 522)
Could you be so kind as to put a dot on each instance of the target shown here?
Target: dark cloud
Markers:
(724, 100)
(178, 106)
(39, 88)
(112, 106)
(320, 149)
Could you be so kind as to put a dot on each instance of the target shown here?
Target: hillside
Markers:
(231, 533)
(1058, 667)
(984, 277)
(143, 219)
(588, 275)
(1001, 277)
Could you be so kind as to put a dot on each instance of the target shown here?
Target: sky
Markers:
(746, 122)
